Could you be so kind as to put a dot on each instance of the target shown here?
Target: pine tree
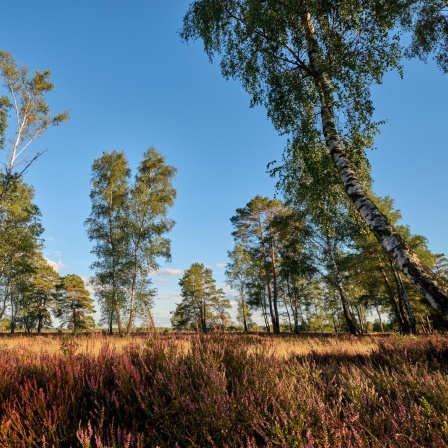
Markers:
(74, 304)
(203, 306)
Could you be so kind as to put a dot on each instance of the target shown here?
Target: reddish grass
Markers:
(227, 391)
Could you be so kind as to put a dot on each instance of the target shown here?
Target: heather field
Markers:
(179, 390)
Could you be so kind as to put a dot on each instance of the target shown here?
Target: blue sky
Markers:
(131, 83)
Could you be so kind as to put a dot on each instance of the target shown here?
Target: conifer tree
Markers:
(203, 306)
(74, 304)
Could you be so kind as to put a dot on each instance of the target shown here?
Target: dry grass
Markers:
(315, 345)
(283, 347)
(224, 390)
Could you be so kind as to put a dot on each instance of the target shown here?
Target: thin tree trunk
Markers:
(347, 314)
(111, 321)
(243, 310)
(274, 278)
(132, 300)
(362, 313)
(203, 316)
(295, 311)
(296, 321)
(288, 314)
(2, 312)
(379, 318)
(404, 298)
(401, 320)
(13, 314)
(292, 303)
(265, 312)
(267, 277)
(431, 286)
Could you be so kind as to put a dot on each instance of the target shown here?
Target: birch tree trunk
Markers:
(132, 298)
(432, 287)
(243, 304)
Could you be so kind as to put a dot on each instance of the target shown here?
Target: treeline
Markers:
(324, 271)
(31, 291)
(127, 224)
(310, 267)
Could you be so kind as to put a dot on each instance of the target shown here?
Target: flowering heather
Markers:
(226, 391)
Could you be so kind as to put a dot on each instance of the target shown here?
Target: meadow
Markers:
(222, 390)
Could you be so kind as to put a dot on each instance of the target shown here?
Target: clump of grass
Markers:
(227, 391)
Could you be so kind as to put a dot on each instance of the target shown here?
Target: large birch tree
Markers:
(147, 224)
(311, 64)
(106, 226)
(129, 223)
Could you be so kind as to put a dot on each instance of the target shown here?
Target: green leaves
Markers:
(129, 222)
(263, 44)
(26, 97)
(203, 306)
(429, 26)
(74, 304)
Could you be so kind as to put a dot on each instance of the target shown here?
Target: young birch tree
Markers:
(25, 97)
(311, 64)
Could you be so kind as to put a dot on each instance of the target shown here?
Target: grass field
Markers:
(224, 391)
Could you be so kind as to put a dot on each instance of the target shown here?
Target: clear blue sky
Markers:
(131, 83)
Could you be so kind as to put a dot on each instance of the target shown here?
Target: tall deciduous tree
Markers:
(151, 197)
(203, 306)
(25, 96)
(107, 227)
(20, 231)
(309, 62)
(129, 224)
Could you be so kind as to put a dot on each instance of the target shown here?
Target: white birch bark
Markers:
(432, 287)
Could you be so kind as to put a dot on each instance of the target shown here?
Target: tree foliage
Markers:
(74, 306)
(311, 64)
(128, 223)
(20, 231)
(25, 97)
(203, 306)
